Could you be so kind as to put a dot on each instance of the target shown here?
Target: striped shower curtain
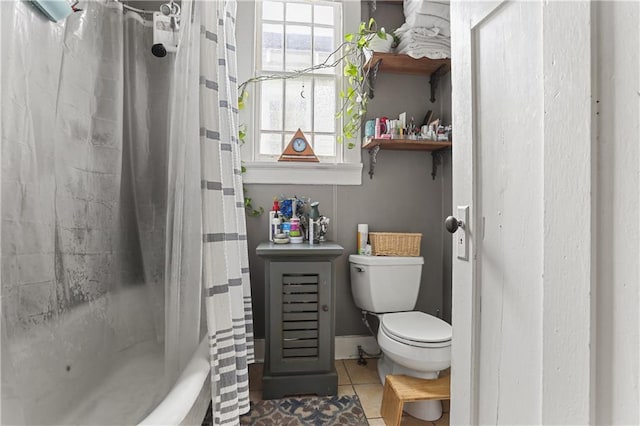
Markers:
(208, 100)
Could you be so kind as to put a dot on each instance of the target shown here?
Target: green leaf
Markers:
(244, 96)
(350, 70)
(382, 34)
(256, 213)
(351, 145)
(348, 37)
(371, 23)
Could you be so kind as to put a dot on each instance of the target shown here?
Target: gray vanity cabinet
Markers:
(300, 317)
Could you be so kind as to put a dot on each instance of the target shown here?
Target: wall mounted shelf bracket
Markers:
(435, 79)
(372, 75)
(373, 154)
(436, 160)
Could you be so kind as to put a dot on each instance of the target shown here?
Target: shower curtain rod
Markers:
(134, 9)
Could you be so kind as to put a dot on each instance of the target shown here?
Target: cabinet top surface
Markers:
(328, 248)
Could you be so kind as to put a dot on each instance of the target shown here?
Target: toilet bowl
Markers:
(412, 342)
(416, 340)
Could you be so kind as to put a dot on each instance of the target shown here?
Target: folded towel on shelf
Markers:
(431, 52)
(427, 7)
(419, 42)
(407, 30)
(428, 14)
(438, 43)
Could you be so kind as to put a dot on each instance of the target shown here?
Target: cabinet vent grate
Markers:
(299, 316)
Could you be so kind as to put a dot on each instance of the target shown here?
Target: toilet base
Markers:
(423, 410)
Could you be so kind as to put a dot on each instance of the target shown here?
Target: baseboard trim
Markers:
(346, 347)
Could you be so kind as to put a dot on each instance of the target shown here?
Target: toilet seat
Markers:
(416, 329)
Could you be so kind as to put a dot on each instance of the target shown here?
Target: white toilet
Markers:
(412, 342)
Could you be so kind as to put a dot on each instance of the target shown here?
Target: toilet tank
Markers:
(385, 284)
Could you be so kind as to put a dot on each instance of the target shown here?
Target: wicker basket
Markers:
(394, 244)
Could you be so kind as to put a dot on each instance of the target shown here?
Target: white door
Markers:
(506, 353)
(500, 176)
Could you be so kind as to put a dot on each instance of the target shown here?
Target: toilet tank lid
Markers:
(360, 259)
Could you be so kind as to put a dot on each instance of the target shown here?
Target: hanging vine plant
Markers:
(351, 55)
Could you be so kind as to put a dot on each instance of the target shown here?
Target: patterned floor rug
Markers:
(303, 411)
(306, 411)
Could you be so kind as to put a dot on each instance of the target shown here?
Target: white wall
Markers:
(617, 355)
(590, 361)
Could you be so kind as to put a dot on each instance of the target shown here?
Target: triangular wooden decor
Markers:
(299, 149)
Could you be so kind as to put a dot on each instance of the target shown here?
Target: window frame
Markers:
(336, 76)
(347, 171)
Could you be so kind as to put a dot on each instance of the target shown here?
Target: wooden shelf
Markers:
(375, 145)
(407, 144)
(404, 64)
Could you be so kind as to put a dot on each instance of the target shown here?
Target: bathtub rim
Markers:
(186, 392)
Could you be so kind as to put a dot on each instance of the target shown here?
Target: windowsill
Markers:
(292, 173)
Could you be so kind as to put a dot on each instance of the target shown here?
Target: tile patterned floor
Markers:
(355, 379)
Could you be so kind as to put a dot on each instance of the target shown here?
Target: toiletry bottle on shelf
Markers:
(310, 232)
(314, 225)
(277, 225)
(274, 220)
(272, 215)
(295, 236)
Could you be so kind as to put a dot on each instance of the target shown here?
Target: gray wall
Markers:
(402, 197)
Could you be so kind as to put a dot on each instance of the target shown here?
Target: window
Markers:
(276, 37)
(296, 35)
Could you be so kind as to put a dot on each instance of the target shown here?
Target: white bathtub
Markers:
(100, 366)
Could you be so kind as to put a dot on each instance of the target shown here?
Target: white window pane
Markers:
(273, 10)
(272, 47)
(288, 137)
(323, 46)
(270, 144)
(298, 106)
(324, 105)
(323, 15)
(325, 145)
(271, 105)
(297, 12)
(298, 53)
